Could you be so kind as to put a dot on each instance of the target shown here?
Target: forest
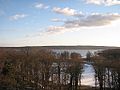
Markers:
(42, 69)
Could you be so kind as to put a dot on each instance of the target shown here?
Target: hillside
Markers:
(66, 47)
(80, 47)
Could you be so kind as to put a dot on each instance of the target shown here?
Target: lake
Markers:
(88, 74)
(82, 52)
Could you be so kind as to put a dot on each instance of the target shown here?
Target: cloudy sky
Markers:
(59, 22)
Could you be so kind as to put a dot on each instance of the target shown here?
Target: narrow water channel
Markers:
(88, 75)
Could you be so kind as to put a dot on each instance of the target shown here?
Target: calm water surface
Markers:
(82, 52)
(88, 70)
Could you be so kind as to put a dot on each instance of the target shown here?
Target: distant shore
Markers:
(85, 47)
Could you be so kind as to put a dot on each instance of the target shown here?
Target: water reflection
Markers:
(42, 70)
(88, 75)
(82, 52)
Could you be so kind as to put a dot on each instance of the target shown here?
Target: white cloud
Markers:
(93, 20)
(104, 2)
(67, 11)
(98, 2)
(41, 6)
(55, 29)
(57, 20)
(17, 16)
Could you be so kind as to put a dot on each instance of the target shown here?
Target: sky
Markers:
(59, 22)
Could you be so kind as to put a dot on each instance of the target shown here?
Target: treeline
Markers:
(107, 69)
(37, 69)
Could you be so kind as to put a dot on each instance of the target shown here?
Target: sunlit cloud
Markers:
(104, 2)
(41, 6)
(67, 11)
(57, 20)
(56, 29)
(92, 20)
(17, 16)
